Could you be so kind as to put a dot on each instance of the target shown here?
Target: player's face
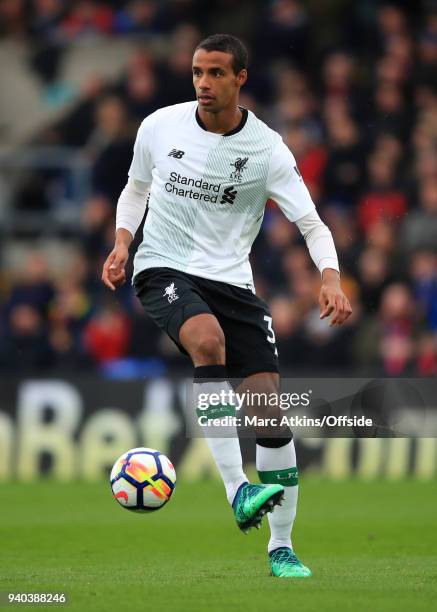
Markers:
(216, 84)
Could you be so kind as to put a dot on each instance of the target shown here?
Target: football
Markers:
(143, 480)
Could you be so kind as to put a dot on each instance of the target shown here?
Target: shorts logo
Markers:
(176, 153)
(228, 196)
(296, 169)
(239, 165)
(170, 293)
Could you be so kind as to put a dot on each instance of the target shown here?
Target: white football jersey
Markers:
(209, 192)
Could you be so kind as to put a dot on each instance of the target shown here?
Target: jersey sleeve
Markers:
(285, 184)
(142, 164)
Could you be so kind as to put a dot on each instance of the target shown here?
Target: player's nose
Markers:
(203, 83)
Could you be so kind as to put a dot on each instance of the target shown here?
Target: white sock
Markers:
(227, 456)
(278, 466)
(226, 451)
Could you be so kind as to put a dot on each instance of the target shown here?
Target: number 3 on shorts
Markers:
(271, 335)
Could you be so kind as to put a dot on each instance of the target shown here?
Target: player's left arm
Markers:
(320, 243)
(332, 300)
(287, 188)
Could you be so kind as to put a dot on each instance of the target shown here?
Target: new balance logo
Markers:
(176, 153)
(228, 196)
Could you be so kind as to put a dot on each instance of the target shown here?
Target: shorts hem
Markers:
(185, 312)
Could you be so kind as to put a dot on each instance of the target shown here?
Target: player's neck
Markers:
(221, 122)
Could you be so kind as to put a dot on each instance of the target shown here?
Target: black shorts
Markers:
(171, 297)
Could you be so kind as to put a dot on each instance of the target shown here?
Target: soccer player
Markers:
(206, 168)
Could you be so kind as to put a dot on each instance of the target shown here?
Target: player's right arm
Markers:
(131, 206)
(113, 274)
(130, 212)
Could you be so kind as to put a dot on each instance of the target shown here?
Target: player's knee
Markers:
(210, 349)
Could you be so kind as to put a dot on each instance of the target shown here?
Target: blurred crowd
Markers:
(353, 91)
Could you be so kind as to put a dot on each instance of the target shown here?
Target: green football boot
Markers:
(252, 501)
(285, 564)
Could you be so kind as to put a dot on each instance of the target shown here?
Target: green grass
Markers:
(371, 546)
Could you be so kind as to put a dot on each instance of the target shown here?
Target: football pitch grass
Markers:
(371, 546)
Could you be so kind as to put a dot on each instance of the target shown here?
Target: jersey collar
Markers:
(240, 126)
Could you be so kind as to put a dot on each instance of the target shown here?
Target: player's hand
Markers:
(333, 301)
(113, 274)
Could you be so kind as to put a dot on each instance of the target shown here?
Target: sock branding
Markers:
(286, 478)
(216, 412)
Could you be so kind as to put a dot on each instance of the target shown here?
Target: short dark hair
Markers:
(227, 44)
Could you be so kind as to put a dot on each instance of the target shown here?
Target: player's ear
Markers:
(242, 77)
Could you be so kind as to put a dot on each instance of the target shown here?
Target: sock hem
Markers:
(210, 373)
